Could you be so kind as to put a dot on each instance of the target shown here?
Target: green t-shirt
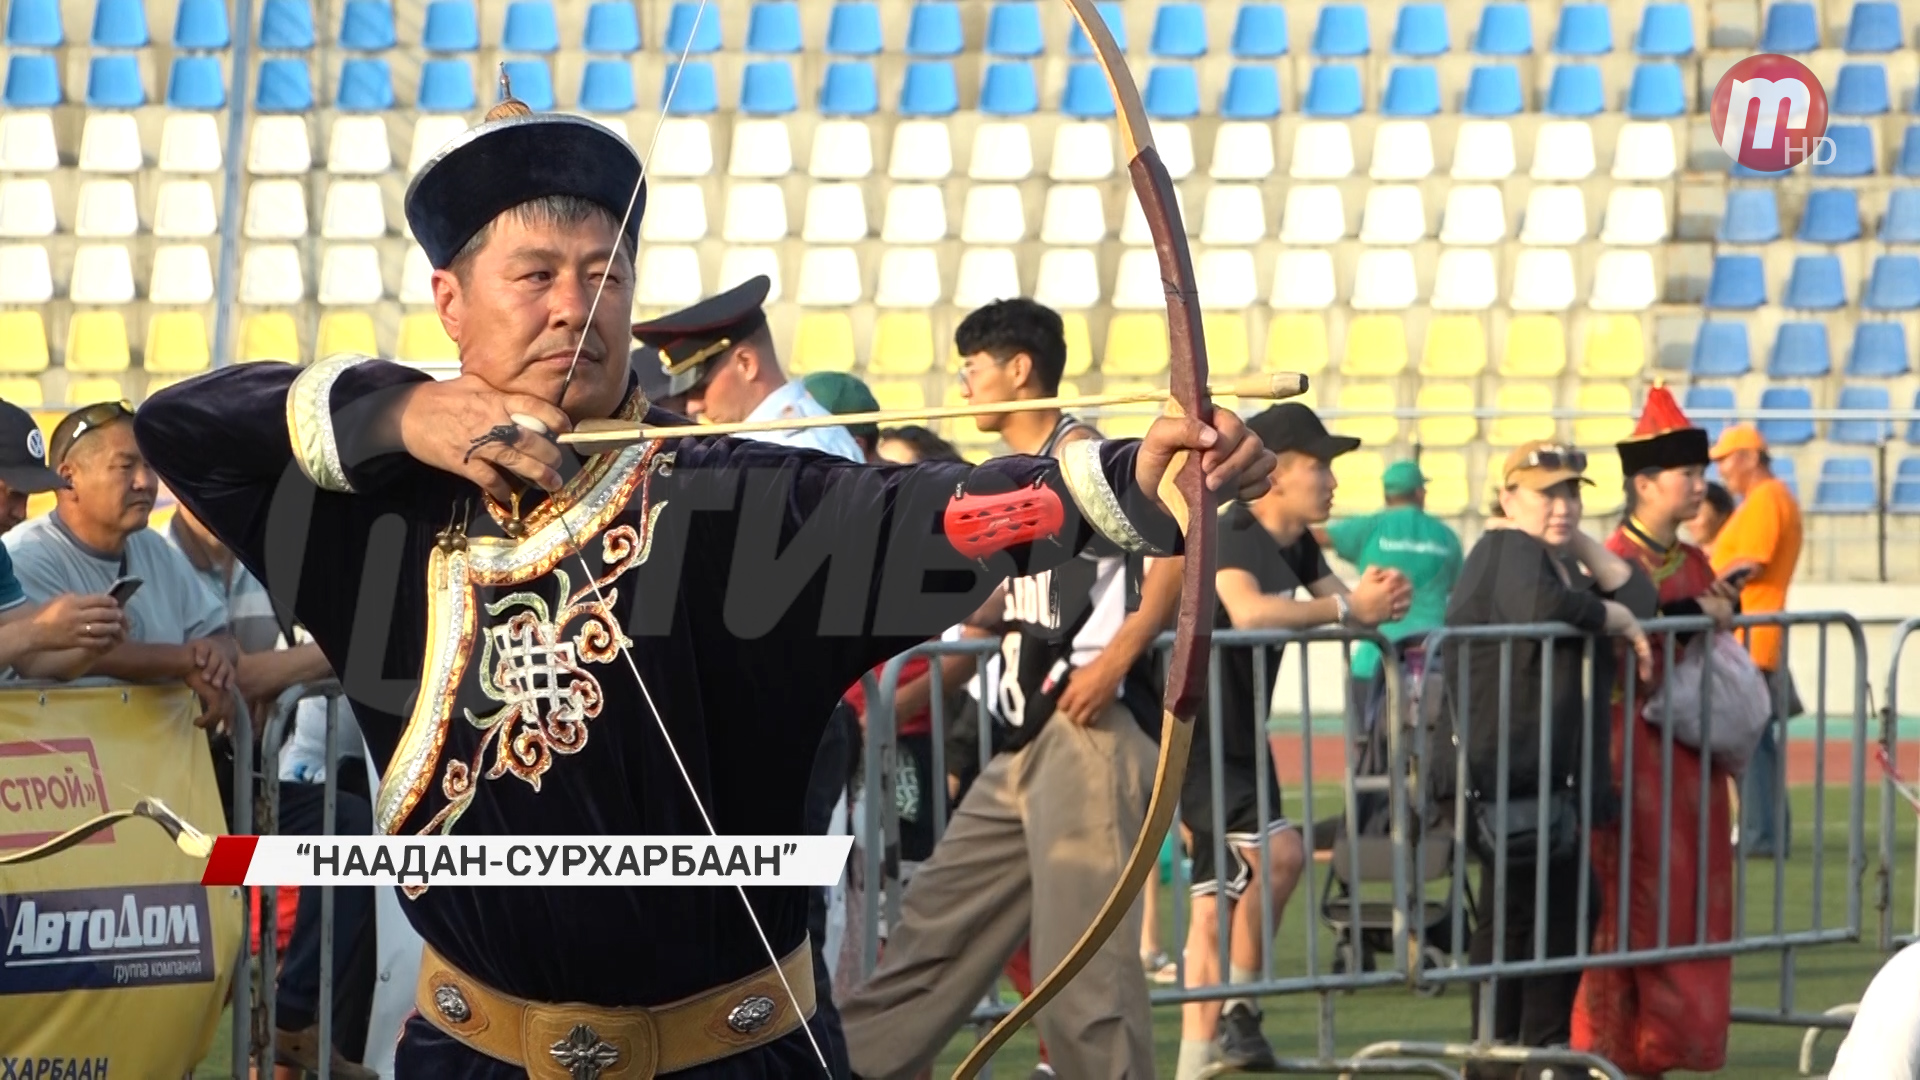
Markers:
(1414, 542)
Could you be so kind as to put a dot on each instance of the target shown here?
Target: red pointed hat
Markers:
(1664, 438)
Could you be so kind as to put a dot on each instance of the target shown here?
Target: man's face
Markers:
(521, 312)
(112, 486)
(730, 392)
(1303, 486)
(1739, 470)
(984, 380)
(13, 507)
(1705, 524)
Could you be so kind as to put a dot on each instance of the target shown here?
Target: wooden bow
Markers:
(1185, 493)
(189, 839)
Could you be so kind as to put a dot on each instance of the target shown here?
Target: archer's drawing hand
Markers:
(465, 427)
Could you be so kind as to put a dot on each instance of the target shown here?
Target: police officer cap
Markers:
(688, 341)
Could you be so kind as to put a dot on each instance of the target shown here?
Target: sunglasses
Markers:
(1555, 457)
(84, 420)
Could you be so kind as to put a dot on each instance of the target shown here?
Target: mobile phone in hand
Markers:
(122, 589)
(1739, 578)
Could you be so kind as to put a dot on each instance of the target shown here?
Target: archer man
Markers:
(539, 643)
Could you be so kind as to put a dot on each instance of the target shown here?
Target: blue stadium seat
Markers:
(1172, 92)
(690, 90)
(1913, 426)
(113, 82)
(850, 88)
(1738, 281)
(1720, 350)
(286, 86)
(1845, 487)
(532, 82)
(773, 26)
(1008, 89)
(929, 89)
(1832, 216)
(1080, 48)
(1909, 164)
(1861, 90)
(1494, 90)
(532, 27)
(1905, 496)
(934, 29)
(1782, 431)
(1086, 96)
(366, 85)
(1506, 29)
(1342, 31)
(119, 24)
(286, 25)
(1179, 31)
(1665, 30)
(1816, 284)
(450, 26)
(1901, 225)
(1013, 29)
(606, 86)
(1801, 351)
(1894, 284)
(854, 29)
(1412, 90)
(1657, 92)
(1334, 90)
(1576, 90)
(1792, 27)
(196, 82)
(1421, 30)
(367, 26)
(1856, 431)
(33, 81)
(1879, 351)
(1875, 27)
(1252, 93)
(35, 24)
(1260, 32)
(446, 86)
(689, 21)
(1708, 399)
(1752, 217)
(1585, 30)
(1785, 471)
(612, 27)
(1853, 151)
(766, 88)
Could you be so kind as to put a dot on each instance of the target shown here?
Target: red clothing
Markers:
(1673, 1016)
(920, 723)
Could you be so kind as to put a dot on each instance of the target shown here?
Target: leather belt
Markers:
(590, 1042)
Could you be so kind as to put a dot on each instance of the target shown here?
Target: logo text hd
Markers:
(1770, 114)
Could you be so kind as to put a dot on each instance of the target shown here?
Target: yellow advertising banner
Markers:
(117, 960)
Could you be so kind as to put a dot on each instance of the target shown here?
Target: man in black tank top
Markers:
(1039, 840)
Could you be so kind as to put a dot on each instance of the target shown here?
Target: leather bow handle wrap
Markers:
(1185, 493)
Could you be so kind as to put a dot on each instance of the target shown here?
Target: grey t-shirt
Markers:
(174, 606)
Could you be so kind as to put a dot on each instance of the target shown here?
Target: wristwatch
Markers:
(1344, 609)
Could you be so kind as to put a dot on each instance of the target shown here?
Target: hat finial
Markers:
(509, 105)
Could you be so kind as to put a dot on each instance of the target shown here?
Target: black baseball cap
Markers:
(1291, 426)
(23, 453)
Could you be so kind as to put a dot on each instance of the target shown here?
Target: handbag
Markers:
(1524, 841)
(1736, 693)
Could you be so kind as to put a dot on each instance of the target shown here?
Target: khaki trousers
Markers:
(1030, 854)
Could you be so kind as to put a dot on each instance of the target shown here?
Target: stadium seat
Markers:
(446, 85)
(270, 276)
(835, 214)
(1494, 90)
(1446, 430)
(1080, 48)
(929, 89)
(1738, 281)
(1341, 31)
(1615, 348)
(842, 150)
(668, 277)
(1464, 280)
(756, 213)
(823, 341)
(33, 82)
(1303, 279)
(1483, 150)
(1542, 280)
(114, 82)
(1901, 223)
(196, 82)
(1227, 281)
(1259, 31)
(1608, 492)
(35, 24)
(1243, 150)
(1228, 351)
(1585, 30)
(189, 143)
(1334, 90)
(1384, 280)
(1376, 347)
(106, 209)
(1665, 30)
(1313, 214)
(346, 332)
(424, 340)
(1786, 431)
(1791, 27)
(848, 89)
(1623, 281)
(184, 208)
(1402, 150)
(1576, 90)
(1879, 351)
(761, 149)
(1657, 92)
(691, 28)
(1563, 150)
(1909, 164)
(933, 29)
(285, 87)
(110, 143)
(276, 210)
(102, 274)
(1613, 399)
(1002, 152)
(1875, 27)
(365, 86)
(23, 344)
(1475, 214)
(1297, 343)
(1644, 151)
(676, 213)
(1555, 216)
(1393, 215)
(1412, 90)
(532, 27)
(182, 274)
(1136, 345)
(1721, 350)
(26, 208)
(1067, 278)
(1800, 351)
(176, 344)
(1179, 31)
(97, 343)
(1008, 89)
(1082, 152)
(431, 133)
(1816, 284)
(1894, 284)
(1448, 492)
(611, 27)
(354, 210)
(119, 24)
(287, 26)
(689, 89)
(1235, 214)
(1252, 93)
(26, 275)
(989, 274)
(357, 146)
(1701, 401)
(1456, 347)
(1525, 413)
(1905, 496)
(1370, 401)
(902, 343)
(1172, 92)
(1859, 431)
(367, 26)
(532, 83)
(1853, 152)
(1846, 486)
(1505, 30)
(1536, 348)
(1322, 150)
(451, 26)
(1634, 217)
(1831, 216)
(993, 214)
(1861, 90)
(917, 214)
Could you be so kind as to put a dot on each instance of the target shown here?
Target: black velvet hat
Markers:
(516, 156)
(689, 340)
(1664, 438)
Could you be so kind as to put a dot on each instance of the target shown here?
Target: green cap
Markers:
(840, 394)
(1402, 478)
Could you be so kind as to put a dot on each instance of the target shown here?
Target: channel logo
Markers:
(1770, 114)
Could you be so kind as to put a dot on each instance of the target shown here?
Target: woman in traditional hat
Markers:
(1674, 1015)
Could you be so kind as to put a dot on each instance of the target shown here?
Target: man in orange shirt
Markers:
(1761, 540)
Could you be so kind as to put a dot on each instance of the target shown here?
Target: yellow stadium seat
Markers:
(1524, 410)
(1357, 476)
(1376, 346)
(46, 418)
(176, 344)
(1536, 348)
(1448, 493)
(1456, 347)
(1226, 342)
(97, 342)
(823, 342)
(25, 393)
(424, 340)
(902, 344)
(1447, 430)
(1611, 398)
(1136, 344)
(1126, 421)
(1073, 326)
(1608, 494)
(93, 391)
(1297, 342)
(1616, 349)
(346, 332)
(23, 343)
(962, 430)
(1367, 398)
(271, 335)
(42, 504)
(899, 394)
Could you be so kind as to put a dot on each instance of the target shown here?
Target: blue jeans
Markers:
(1764, 807)
(297, 994)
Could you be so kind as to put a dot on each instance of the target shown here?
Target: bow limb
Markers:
(189, 839)
(1186, 495)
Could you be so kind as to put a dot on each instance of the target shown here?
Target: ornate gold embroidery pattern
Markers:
(595, 470)
(450, 628)
(310, 421)
(1087, 483)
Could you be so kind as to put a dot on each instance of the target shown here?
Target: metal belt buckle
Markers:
(583, 1053)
